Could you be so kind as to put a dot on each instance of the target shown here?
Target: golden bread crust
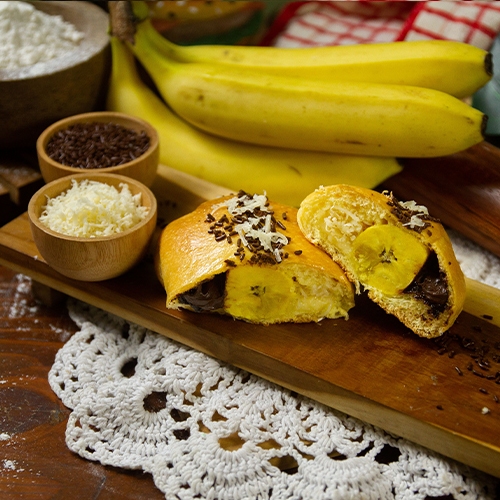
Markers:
(333, 217)
(188, 254)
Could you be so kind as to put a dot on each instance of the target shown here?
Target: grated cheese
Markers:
(258, 222)
(420, 211)
(412, 206)
(415, 221)
(90, 209)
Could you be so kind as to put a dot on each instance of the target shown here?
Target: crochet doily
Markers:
(476, 263)
(205, 429)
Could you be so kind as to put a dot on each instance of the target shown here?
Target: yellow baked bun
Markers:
(394, 250)
(246, 257)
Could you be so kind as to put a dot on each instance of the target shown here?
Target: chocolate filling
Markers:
(430, 286)
(207, 296)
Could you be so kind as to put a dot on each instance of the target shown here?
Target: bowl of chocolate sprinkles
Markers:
(100, 141)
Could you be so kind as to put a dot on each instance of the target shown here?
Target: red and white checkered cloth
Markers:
(315, 23)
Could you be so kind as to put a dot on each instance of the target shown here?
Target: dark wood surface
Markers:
(20, 177)
(463, 190)
(370, 366)
(35, 463)
(34, 460)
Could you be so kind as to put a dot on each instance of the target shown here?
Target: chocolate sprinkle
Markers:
(405, 214)
(97, 145)
(223, 229)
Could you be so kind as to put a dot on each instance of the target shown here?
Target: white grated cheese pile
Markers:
(89, 209)
(29, 36)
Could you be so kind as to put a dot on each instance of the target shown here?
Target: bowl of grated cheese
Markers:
(93, 227)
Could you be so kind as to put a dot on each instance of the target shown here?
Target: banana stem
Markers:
(122, 20)
(172, 51)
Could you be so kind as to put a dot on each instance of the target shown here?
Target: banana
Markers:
(395, 251)
(260, 294)
(299, 113)
(456, 68)
(286, 175)
(388, 258)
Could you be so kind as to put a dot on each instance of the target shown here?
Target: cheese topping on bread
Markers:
(394, 250)
(246, 257)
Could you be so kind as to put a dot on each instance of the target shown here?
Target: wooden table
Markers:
(34, 460)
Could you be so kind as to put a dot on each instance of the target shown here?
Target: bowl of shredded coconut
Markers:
(54, 63)
(93, 227)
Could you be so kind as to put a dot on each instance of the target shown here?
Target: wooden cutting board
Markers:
(371, 367)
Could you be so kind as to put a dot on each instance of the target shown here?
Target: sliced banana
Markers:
(388, 258)
(284, 293)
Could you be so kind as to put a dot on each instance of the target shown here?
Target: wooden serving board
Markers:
(369, 366)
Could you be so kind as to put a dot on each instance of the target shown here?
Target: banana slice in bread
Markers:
(394, 250)
(246, 257)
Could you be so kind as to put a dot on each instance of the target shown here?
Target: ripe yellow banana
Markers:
(456, 68)
(286, 175)
(388, 258)
(299, 113)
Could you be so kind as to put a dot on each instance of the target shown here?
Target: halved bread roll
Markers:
(394, 250)
(243, 256)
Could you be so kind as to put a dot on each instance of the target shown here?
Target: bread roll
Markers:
(241, 256)
(395, 251)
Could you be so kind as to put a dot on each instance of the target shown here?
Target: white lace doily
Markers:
(204, 429)
(476, 263)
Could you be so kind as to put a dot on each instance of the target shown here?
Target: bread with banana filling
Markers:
(395, 251)
(244, 256)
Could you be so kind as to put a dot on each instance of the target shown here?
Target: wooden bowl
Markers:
(143, 168)
(99, 258)
(33, 97)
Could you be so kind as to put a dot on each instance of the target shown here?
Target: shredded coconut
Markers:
(29, 36)
(90, 209)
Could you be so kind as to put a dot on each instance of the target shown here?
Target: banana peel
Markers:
(432, 64)
(336, 116)
(286, 175)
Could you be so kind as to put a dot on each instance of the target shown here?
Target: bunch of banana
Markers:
(458, 69)
(286, 175)
(236, 102)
